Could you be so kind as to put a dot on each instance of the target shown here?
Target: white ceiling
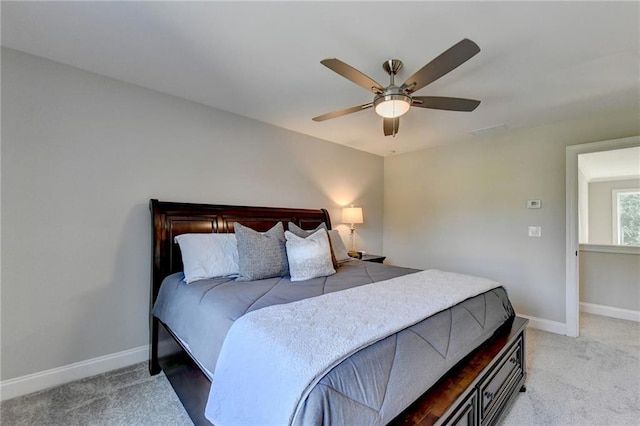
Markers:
(616, 164)
(540, 61)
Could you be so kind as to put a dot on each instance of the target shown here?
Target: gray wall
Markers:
(600, 209)
(462, 207)
(610, 279)
(81, 156)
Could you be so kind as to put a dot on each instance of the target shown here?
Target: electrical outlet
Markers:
(535, 231)
(534, 204)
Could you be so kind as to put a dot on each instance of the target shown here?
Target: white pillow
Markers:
(309, 257)
(339, 250)
(208, 255)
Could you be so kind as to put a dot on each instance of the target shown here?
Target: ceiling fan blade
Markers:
(391, 126)
(446, 62)
(451, 104)
(342, 112)
(352, 74)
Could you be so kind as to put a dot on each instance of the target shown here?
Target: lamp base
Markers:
(353, 253)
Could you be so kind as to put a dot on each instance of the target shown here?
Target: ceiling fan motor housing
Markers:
(393, 101)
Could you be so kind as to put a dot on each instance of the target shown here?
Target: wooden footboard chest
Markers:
(478, 390)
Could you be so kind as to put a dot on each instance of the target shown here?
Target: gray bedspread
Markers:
(370, 387)
(374, 385)
(202, 312)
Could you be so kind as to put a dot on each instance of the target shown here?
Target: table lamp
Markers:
(352, 215)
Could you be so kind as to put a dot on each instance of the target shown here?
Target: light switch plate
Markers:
(535, 231)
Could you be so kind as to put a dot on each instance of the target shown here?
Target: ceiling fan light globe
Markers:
(392, 106)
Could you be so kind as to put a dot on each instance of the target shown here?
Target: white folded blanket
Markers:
(274, 356)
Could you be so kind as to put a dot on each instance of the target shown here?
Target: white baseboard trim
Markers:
(545, 325)
(57, 376)
(610, 311)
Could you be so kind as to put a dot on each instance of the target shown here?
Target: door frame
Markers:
(572, 323)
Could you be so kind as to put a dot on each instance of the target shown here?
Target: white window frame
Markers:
(616, 235)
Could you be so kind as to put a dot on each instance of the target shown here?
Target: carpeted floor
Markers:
(128, 396)
(591, 380)
(588, 381)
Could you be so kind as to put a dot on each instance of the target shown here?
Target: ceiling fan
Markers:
(393, 101)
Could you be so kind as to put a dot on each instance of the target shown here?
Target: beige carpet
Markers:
(128, 396)
(591, 380)
(588, 381)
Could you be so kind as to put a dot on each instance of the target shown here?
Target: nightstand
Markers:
(373, 258)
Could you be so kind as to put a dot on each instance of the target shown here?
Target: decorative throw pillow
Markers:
(309, 257)
(295, 229)
(261, 255)
(339, 249)
(208, 255)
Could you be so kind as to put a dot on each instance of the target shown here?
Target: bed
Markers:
(461, 365)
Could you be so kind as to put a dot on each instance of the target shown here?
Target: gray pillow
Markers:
(299, 232)
(261, 255)
(309, 257)
(337, 245)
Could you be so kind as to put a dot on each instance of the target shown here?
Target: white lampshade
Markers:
(352, 215)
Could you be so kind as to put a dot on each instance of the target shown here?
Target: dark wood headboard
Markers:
(171, 219)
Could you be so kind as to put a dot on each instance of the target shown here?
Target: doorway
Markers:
(572, 321)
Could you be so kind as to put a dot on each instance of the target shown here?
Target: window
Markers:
(626, 217)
